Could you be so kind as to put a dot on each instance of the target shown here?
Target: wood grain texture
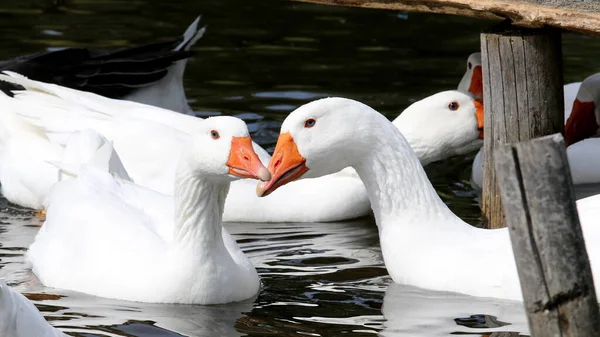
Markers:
(582, 15)
(522, 92)
(539, 201)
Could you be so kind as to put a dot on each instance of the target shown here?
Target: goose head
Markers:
(472, 80)
(584, 120)
(322, 137)
(445, 124)
(222, 149)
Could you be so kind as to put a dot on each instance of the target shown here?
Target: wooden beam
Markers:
(523, 97)
(581, 16)
(556, 278)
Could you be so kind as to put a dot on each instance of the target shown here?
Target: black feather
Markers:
(110, 73)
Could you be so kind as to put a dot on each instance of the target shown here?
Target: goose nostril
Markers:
(277, 163)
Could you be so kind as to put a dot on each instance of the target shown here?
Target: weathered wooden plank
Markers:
(522, 92)
(538, 197)
(581, 15)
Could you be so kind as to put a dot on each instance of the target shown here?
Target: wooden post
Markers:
(523, 96)
(541, 213)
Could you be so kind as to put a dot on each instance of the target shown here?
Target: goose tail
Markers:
(191, 36)
(169, 92)
(56, 110)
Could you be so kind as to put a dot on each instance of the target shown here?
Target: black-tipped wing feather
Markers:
(110, 73)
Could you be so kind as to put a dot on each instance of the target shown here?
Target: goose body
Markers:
(168, 249)
(150, 74)
(423, 243)
(149, 141)
(20, 318)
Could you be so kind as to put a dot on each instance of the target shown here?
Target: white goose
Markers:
(151, 73)
(149, 141)
(445, 124)
(163, 249)
(423, 243)
(472, 80)
(20, 318)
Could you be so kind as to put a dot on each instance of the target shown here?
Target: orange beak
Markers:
(476, 87)
(582, 122)
(287, 164)
(479, 116)
(243, 161)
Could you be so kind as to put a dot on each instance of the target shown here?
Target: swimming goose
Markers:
(442, 125)
(423, 243)
(20, 318)
(149, 141)
(472, 80)
(150, 74)
(437, 127)
(109, 237)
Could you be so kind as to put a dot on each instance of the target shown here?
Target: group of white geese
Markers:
(134, 190)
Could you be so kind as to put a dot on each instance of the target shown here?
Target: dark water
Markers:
(259, 60)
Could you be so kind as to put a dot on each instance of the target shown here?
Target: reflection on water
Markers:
(415, 312)
(259, 60)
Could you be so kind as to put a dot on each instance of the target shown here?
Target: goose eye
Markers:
(453, 106)
(469, 65)
(214, 134)
(309, 123)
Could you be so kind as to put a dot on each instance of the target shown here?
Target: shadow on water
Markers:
(258, 61)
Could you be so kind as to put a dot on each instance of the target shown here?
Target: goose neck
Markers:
(199, 203)
(395, 180)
